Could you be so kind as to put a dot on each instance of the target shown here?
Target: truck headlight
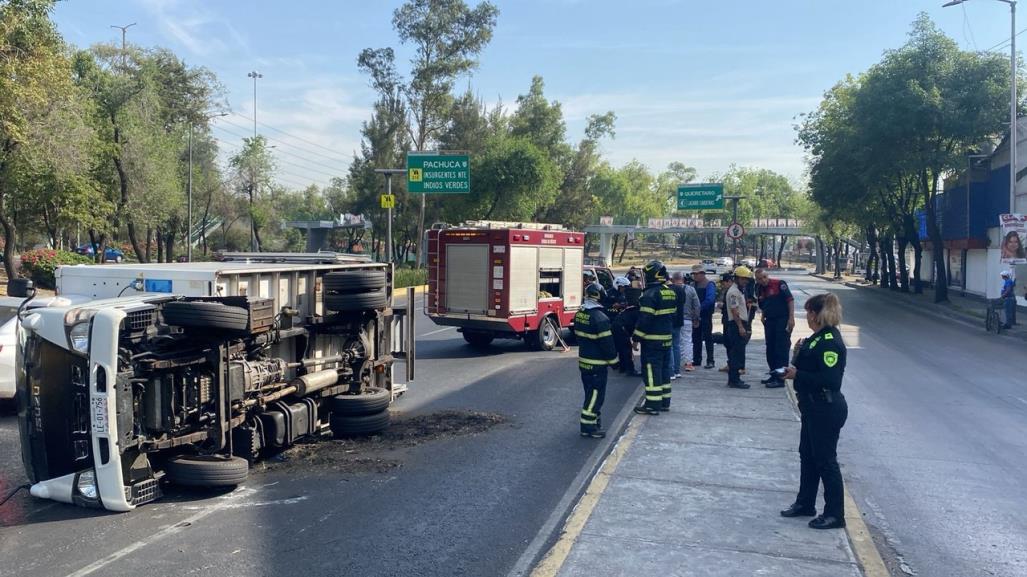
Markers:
(77, 323)
(85, 485)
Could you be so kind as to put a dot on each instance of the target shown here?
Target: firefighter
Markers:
(653, 331)
(624, 325)
(595, 354)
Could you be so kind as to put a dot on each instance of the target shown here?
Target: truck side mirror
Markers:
(20, 287)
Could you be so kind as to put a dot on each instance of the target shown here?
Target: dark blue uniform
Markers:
(774, 300)
(820, 365)
(596, 353)
(653, 330)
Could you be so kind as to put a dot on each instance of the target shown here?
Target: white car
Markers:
(8, 338)
(726, 261)
(749, 262)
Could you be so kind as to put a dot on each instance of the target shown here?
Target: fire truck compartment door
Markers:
(467, 278)
(572, 271)
(523, 278)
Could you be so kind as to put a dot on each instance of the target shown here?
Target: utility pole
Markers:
(253, 225)
(388, 172)
(123, 29)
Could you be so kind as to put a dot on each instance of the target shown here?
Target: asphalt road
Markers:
(460, 504)
(935, 448)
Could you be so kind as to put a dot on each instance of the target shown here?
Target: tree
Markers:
(254, 169)
(447, 37)
(42, 138)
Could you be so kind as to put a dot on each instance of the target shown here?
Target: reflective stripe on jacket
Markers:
(655, 315)
(595, 338)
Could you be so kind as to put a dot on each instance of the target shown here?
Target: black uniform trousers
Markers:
(778, 340)
(702, 332)
(622, 341)
(657, 382)
(818, 453)
(735, 344)
(593, 380)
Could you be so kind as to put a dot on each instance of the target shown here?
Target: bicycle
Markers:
(992, 320)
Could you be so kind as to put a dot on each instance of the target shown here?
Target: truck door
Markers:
(467, 276)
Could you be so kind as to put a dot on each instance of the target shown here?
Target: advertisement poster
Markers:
(1013, 239)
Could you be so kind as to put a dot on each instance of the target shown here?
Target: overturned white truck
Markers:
(187, 373)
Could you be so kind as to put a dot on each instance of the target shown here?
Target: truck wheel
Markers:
(354, 281)
(368, 402)
(478, 338)
(545, 338)
(358, 425)
(207, 470)
(377, 299)
(206, 315)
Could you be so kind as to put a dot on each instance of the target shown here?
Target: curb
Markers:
(930, 308)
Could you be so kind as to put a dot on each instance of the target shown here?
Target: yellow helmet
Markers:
(743, 272)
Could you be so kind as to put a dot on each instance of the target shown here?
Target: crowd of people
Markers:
(669, 320)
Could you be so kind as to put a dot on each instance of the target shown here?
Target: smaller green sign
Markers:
(435, 173)
(701, 196)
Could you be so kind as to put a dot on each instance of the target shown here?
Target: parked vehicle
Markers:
(726, 261)
(111, 254)
(201, 369)
(749, 262)
(767, 263)
(506, 280)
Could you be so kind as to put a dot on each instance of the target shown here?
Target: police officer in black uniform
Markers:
(653, 330)
(596, 353)
(818, 371)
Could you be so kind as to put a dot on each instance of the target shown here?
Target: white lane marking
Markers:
(435, 332)
(226, 502)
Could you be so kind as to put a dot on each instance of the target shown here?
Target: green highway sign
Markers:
(436, 173)
(701, 196)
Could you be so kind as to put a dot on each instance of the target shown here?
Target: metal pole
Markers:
(189, 197)
(1012, 107)
(734, 219)
(388, 230)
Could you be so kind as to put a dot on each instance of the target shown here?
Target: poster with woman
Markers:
(1014, 235)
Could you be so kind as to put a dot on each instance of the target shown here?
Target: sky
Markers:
(708, 83)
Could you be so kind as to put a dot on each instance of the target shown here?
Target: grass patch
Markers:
(407, 277)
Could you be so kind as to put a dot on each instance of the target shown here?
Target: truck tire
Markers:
(359, 425)
(376, 299)
(207, 470)
(368, 402)
(354, 281)
(206, 315)
(545, 338)
(478, 339)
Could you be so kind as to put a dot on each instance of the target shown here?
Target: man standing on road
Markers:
(702, 331)
(596, 353)
(624, 325)
(778, 312)
(1009, 294)
(686, 317)
(737, 330)
(653, 331)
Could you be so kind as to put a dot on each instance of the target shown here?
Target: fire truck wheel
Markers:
(358, 425)
(376, 299)
(206, 315)
(478, 338)
(368, 402)
(545, 338)
(354, 281)
(206, 470)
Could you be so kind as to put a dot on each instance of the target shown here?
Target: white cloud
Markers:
(196, 28)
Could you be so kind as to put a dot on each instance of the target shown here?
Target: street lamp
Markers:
(189, 194)
(253, 226)
(1012, 97)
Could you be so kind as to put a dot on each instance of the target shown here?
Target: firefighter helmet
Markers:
(655, 272)
(622, 281)
(593, 291)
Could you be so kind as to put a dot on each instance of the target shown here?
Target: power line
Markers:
(966, 26)
(1005, 43)
(336, 170)
(300, 166)
(280, 131)
(301, 178)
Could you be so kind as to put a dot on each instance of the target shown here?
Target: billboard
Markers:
(1014, 237)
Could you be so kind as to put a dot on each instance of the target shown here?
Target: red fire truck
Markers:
(505, 280)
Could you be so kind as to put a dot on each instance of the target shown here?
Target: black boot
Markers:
(595, 433)
(826, 522)
(644, 410)
(797, 510)
(775, 384)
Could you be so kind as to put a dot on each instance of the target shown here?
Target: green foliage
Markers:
(407, 277)
(39, 265)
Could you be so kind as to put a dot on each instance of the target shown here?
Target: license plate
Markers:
(98, 412)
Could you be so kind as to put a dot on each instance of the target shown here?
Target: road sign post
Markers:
(735, 231)
(709, 196)
(388, 203)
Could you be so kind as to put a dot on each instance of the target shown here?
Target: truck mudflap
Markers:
(100, 486)
(404, 341)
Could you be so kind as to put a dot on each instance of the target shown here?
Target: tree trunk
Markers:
(838, 258)
(820, 256)
(10, 236)
(623, 249)
(941, 279)
(160, 245)
(918, 250)
(882, 240)
(872, 260)
(256, 235)
(903, 242)
(169, 246)
(889, 248)
(781, 250)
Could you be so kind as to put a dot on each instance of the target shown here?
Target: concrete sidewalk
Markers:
(696, 491)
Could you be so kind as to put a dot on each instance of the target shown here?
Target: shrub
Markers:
(39, 264)
(410, 277)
